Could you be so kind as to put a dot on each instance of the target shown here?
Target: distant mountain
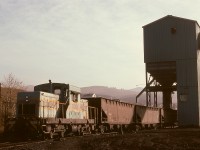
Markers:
(114, 93)
(123, 95)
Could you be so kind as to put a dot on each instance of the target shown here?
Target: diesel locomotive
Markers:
(51, 109)
(56, 109)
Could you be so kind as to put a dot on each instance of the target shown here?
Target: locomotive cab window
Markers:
(74, 97)
(57, 91)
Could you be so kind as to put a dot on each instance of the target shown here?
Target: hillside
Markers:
(114, 93)
(125, 95)
(109, 92)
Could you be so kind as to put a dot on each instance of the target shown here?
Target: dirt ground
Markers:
(165, 139)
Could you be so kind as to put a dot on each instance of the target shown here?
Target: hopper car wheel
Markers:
(51, 135)
(81, 130)
(155, 127)
(62, 134)
(137, 128)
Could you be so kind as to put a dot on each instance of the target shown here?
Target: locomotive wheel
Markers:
(89, 130)
(102, 130)
(44, 137)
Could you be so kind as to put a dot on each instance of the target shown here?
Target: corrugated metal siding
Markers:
(198, 64)
(186, 71)
(187, 83)
(188, 111)
(161, 45)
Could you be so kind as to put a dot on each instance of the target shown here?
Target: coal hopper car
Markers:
(112, 115)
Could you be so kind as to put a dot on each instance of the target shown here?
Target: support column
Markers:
(167, 99)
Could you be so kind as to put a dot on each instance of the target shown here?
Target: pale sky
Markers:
(81, 42)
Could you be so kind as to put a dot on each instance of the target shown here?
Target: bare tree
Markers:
(10, 87)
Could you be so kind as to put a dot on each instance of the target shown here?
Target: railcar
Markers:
(147, 117)
(112, 115)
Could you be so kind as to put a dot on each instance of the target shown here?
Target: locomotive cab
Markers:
(61, 89)
(71, 105)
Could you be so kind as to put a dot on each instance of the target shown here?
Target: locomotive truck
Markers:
(56, 109)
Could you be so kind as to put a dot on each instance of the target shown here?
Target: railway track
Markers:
(21, 144)
(10, 145)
